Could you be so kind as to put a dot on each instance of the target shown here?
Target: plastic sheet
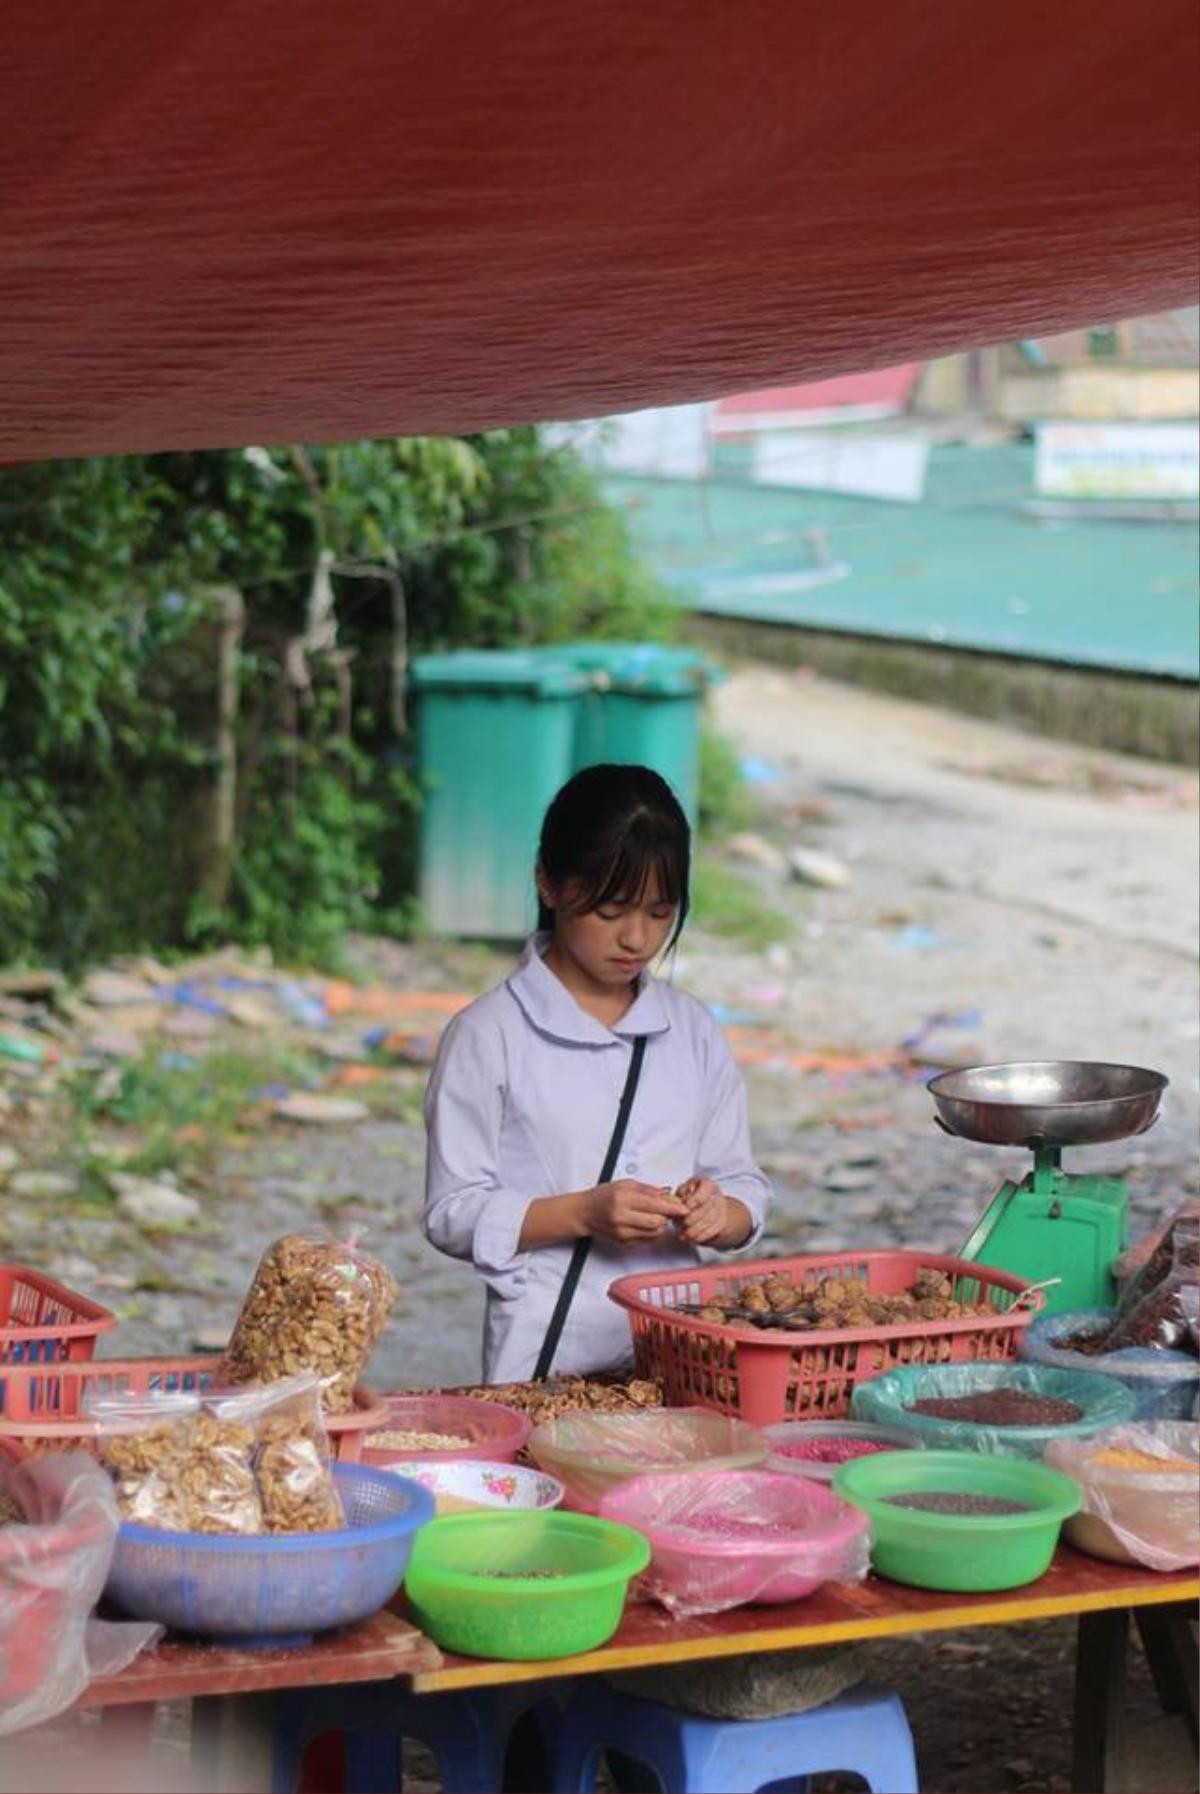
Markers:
(739, 1537)
(52, 1570)
(1158, 1308)
(1141, 1493)
(592, 1453)
(887, 1401)
(1164, 1384)
(315, 1304)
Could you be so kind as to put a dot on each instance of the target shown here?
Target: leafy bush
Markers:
(348, 557)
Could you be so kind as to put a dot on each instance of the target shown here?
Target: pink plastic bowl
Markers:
(710, 1559)
(493, 1432)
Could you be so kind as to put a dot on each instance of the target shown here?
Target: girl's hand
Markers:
(711, 1218)
(627, 1211)
(706, 1211)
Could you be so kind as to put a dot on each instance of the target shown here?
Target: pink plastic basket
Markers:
(739, 1536)
(44, 1322)
(43, 1408)
(765, 1377)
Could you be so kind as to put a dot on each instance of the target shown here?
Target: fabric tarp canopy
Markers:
(232, 221)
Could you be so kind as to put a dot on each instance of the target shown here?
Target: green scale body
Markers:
(1053, 1224)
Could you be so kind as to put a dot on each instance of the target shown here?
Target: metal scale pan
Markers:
(1047, 1102)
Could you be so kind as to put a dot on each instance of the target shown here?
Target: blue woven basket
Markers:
(275, 1589)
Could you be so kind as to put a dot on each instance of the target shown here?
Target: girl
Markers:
(523, 1104)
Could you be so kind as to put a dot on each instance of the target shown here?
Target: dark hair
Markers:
(608, 831)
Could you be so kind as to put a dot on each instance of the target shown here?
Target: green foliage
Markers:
(725, 804)
(182, 1109)
(727, 903)
(107, 671)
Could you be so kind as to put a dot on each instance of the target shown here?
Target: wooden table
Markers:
(1102, 1596)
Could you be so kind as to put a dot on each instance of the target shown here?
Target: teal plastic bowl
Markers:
(522, 1585)
(962, 1553)
(884, 1402)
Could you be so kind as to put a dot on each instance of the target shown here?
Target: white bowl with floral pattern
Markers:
(468, 1484)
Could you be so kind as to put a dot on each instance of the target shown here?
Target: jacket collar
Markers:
(551, 1008)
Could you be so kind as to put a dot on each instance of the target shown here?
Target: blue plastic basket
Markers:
(275, 1589)
(1163, 1384)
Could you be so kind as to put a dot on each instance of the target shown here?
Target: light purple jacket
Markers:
(521, 1104)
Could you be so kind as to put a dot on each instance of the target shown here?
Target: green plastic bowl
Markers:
(459, 1600)
(965, 1553)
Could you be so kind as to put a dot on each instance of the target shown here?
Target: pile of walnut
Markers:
(828, 1303)
(572, 1395)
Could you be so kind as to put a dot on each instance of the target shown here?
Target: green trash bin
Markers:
(642, 705)
(495, 734)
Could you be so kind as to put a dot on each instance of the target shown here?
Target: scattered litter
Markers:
(302, 1006)
(115, 990)
(812, 867)
(917, 938)
(194, 996)
(737, 1018)
(190, 1024)
(757, 851)
(28, 1052)
(759, 772)
(341, 998)
(10, 1158)
(250, 1012)
(152, 1204)
(844, 1179)
(210, 1339)
(778, 956)
(769, 994)
(35, 985)
(320, 1111)
(349, 1076)
(942, 1018)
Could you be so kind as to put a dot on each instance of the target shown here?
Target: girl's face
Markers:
(615, 942)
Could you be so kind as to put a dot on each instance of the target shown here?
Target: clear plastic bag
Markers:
(740, 1537)
(1141, 1493)
(180, 1465)
(243, 1461)
(315, 1304)
(53, 1566)
(592, 1453)
(1157, 1309)
(291, 1457)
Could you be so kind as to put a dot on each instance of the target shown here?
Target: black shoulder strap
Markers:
(566, 1294)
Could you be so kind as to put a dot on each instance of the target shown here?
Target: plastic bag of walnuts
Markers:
(178, 1465)
(315, 1304)
(251, 1461)
(291, 1456)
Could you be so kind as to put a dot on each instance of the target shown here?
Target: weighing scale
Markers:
(1053, 1224)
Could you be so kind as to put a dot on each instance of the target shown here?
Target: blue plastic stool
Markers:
(864, 1732)
(467, 1732)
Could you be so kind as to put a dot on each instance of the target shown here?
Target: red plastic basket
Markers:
(43, 1322)
(44, 1408)
(765, 1377)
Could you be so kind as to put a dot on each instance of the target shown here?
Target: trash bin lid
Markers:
(655, 668)
(497, 669)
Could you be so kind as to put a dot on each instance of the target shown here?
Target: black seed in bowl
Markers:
(945, 1501)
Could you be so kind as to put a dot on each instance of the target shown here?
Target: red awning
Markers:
(261, 220)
